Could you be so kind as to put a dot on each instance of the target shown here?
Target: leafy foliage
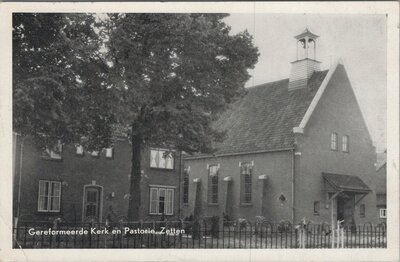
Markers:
(166, 77)
(173, 73)
(59, 80)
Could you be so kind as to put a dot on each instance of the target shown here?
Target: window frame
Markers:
(243, 183)
(48, 196)
(334, 141)
(172, 154)
(167, 202)
(211, 186)
(345, 144)
(382, 212)
(317, 208)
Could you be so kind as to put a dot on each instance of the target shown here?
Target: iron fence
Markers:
(189, 234)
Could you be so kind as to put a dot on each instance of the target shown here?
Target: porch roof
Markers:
(346, 183)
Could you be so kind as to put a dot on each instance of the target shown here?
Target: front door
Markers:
(92, 202)
(345, 209)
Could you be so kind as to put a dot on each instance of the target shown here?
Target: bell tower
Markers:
(306, 60)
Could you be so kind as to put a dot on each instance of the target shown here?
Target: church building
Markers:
(298, 148)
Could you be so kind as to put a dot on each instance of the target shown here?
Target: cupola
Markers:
(306, 60)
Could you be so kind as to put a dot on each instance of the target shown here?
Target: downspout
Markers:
(19, 178)
(180, 186)
(293, 185)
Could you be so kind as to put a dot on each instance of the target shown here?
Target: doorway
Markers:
(92, 203)
(345, 209)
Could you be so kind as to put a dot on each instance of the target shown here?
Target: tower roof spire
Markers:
(306, 32)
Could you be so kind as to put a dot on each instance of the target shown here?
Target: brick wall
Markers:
(76, 171)
(277, 167)
(337, 111)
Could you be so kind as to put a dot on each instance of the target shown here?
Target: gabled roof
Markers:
(265, 117)
(346, 182)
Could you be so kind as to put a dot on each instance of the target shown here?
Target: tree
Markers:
(59, 80)
(165, 76)
(171, 75)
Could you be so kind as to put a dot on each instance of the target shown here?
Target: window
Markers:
(382, 212)
(186, 186)
(213, 184)
(316, 208)
(362, 210)
(54, 152)
(110, 153)
(161, 201)
(246, 170)
(161, 158)
(333, 141)
(345, 143)
(49, 196)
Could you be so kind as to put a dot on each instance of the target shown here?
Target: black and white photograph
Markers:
(220, 129)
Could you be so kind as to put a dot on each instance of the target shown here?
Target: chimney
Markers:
(304, 66)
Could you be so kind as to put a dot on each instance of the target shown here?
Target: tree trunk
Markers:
(134, 191)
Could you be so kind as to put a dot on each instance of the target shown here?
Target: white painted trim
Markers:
(262, 177)
(228, 178)
(196, 180)
(162, 186)
(298, 130)
(317, 97)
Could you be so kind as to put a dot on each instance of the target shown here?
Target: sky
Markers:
(359, 40)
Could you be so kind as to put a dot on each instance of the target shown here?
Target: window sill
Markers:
(48, 212)
(316, 214)
(246, 204)
(213, 204)
(164, 169)
(160, 214)
(52, 159)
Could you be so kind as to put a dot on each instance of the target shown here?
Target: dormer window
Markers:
(110, 153)
(53, 153)
(79, 150)
(94, 153)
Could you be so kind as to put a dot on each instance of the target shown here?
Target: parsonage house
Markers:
(296, 149)
(78, 186)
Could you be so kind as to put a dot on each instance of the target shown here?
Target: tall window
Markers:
(362, 210)
(345, 143)
(246, 171)
(186, 186)
(161, 201)
(49, 196)
(316, 208)
(213, 184)
(161, 158)
(334, 141)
